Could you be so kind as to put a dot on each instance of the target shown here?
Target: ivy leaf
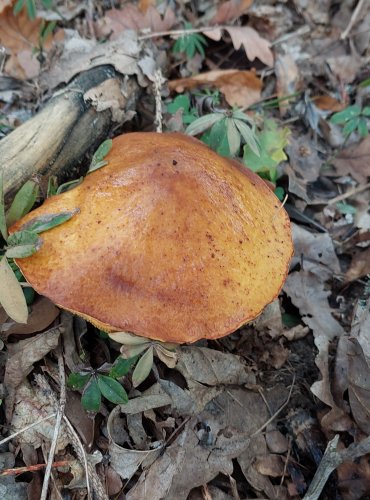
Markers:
(22, 244)
(23, 202)
(122, 366)
(78, 381)
(91, 397)
(112, 390)
(143, 368)
(11, 294)
(46, 222)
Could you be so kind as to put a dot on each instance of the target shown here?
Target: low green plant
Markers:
(353, 118)
(99, 383)
(225, 131)
(190, 43)
(272, 141)
(30, 6)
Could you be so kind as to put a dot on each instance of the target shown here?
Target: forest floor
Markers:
(280, 409)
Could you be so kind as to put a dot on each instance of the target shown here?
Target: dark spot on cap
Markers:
(174, 162)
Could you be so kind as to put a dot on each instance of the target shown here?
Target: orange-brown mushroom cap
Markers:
(171, 242)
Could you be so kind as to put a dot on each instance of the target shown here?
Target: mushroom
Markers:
(171, 242)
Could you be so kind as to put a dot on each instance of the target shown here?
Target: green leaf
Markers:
(203, 123)
(362, 127)
(47, 29)
(52, 187)
(31, 9)
(143, 368)
(366, 111)
(217, 139)
(346, 208)
(99, 155)
(272, 141)
(3, 227)
(112, 390)
(77, 381)
(248, 135)
(11, 294)
(67, 186)
(45, 222)
(18, 7)
(22, 244)
(233, 136)
(180, 102)
(347, 114)
(122, 366)
(280, 193)
(351, 126)
(91, 397)
(239, 115)
(23, 202)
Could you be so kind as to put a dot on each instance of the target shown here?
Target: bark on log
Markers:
(69, 125)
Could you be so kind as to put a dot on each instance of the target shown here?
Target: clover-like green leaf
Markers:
(122, 366)
(112, 390)
(143, 368)
(78, 380)
(91, 397)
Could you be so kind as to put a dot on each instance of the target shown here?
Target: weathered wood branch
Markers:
(73, 122)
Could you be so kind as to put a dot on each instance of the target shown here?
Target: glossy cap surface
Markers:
(172, 242)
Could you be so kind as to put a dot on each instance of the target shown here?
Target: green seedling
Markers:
(353, 118)
(95, 385)
(189, 114)
(30, 6)
(20, 244)
(190, 43)
(272, 141)
(225, 131)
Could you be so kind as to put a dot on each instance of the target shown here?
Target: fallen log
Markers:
(73, 122)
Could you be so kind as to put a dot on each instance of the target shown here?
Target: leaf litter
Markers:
(219, 412)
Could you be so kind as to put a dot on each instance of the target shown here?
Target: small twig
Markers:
(353, 19)
(258, 431)
(349, 193)
(58, 423)
(80, 452)
(9, 438)
(158, 84)
(331, 460)
(32, 468)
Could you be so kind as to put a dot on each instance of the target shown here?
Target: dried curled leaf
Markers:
(11, 294)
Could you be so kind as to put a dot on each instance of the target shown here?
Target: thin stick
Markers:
(349, 193)
(258, 431)
(353, 19)
(80, 452)
(58, 423)
(330, 461)
(158, 84)
(5, 440)
(32, 468)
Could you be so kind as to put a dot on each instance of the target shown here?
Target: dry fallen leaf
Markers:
(133, 17)
(243, 36)
(22, 356)
(42, 313)
(328, 103)
(287, 79)
(11, 294)
(241, 88)
(31, 405)
(360, 265)
(20, 35)
(355, 161)
(230, 10)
